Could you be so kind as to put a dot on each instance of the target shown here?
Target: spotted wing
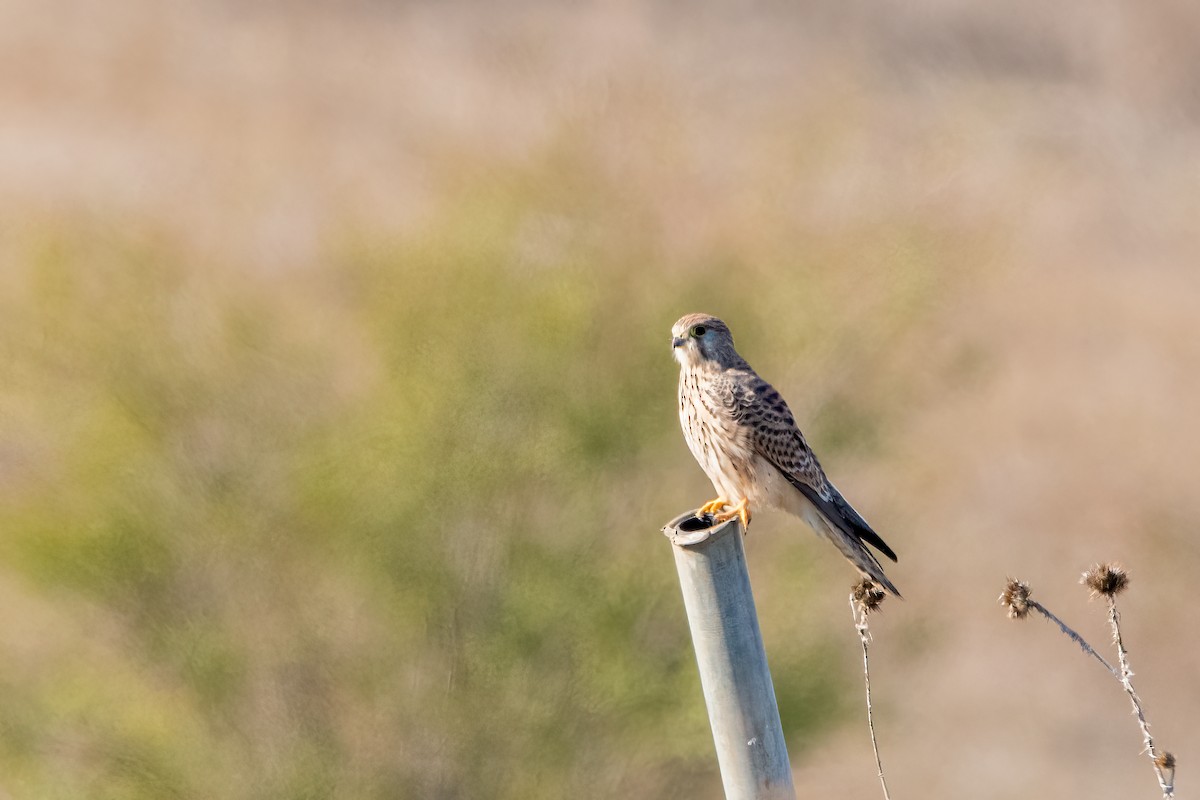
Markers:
(777, 439)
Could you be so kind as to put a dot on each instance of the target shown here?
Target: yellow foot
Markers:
(711, 507)
(741, 511)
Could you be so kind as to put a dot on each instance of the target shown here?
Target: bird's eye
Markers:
(699, 330)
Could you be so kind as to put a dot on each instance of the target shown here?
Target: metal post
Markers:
(737, 684)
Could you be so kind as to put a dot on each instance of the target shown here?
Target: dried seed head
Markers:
(867, 595)
(1165, 760)
(1106, 579)
(1016, 598)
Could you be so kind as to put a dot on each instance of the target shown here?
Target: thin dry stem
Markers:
(1016, 598)
(1104, 580)
(1072, 635)
(860, 611)
(1167, 784)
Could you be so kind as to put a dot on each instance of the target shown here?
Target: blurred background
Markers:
(337, 411)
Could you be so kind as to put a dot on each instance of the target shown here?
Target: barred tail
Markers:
(857, 554)
(828, 513)
(836, 520)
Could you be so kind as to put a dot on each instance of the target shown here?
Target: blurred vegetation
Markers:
(387, 527)
(337, 418)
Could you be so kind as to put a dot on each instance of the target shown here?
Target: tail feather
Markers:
(857, 554)
(849, 532)
(858, 526)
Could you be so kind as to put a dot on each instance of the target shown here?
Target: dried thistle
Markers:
(1165, 762)
(1108, 580)
(867, 596)
(1016, 598)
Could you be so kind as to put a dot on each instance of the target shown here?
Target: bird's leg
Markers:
(711, 507)
(741, 511)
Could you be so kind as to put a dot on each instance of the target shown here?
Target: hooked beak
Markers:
(677, 341)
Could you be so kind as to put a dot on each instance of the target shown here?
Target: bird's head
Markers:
(702, 340)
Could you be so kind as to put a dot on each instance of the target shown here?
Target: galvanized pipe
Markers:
(751, 752)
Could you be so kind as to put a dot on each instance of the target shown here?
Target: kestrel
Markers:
(746, 440)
